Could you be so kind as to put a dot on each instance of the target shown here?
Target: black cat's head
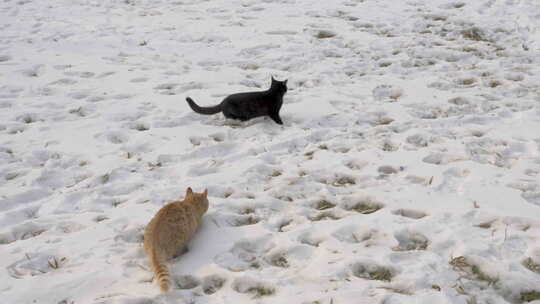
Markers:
(280, 86)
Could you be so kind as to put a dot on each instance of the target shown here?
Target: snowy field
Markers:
(407, 169)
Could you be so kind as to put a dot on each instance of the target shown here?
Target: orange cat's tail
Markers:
(162, 273)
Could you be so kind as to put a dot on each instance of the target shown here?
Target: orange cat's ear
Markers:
(205, 192)
(189, 191)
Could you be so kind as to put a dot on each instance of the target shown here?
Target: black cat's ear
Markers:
(273, 80)
(285, 81)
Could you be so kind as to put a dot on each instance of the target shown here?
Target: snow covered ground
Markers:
(407, 169)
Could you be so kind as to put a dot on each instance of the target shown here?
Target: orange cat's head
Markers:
(199, 199)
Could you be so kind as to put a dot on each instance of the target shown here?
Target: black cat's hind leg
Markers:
(231, 113)
(276, 118)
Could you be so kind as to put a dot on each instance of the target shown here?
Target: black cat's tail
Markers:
(203, 110)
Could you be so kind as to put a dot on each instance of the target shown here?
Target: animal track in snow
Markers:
(139, 126)
(371, 270)
(243, 220)
(69, 227)
(311, 239)
(323, 204)
(285, 257)
(351, 234)
(4, 58)
(35, 264)
(532, 197)
(361, 204)
(35, 71)
(453, 180)
(281, 223)
(213, 283)
(255, 287)
(410, 213)
(389, 170)
(80, 74)
(131, 235)
(409, 240)
(23, 231)
(186, 282)
(64, 82)
(442, 158)
(139, 79)
(338, 180)
(387, 93)
(326, 215)
(116, 137)
(245, 254)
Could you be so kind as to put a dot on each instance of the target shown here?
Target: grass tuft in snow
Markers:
(372, 272)
(327, 215)
(344, 181)
(474, 33)
(482, 276)
(366, 206)
(471, 271)
(531, 265)
(279, 261)
(530, 296)
(323, 34)
(324, 204)
(253, 287)
(244, 220)
(55, 263)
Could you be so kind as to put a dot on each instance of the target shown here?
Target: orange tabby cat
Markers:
(167, 234)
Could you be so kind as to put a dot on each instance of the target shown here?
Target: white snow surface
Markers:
(407, 169)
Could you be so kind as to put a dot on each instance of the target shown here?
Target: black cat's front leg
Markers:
(276, 118)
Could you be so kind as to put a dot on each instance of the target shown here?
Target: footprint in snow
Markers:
(23, 231)
(186, 281)
(361, 204)
(295, 256)
(35, 264)
(213, 283)
(252, 286)
(371, 270)
(245, 254)
(410, 213)
(532, 197)
(105, 74)
(411, 240)
(79, 74)
(115, 137)
(442, 158)
(78, 95)
(453, 180)
(351, 234)
(64, 82)
(34, 71)
(139, 79)
(311, 238)
(238, 220)
(281, 223)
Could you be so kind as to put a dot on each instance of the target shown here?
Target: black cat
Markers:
(245, 106)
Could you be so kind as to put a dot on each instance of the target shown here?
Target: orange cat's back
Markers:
(167, 234)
